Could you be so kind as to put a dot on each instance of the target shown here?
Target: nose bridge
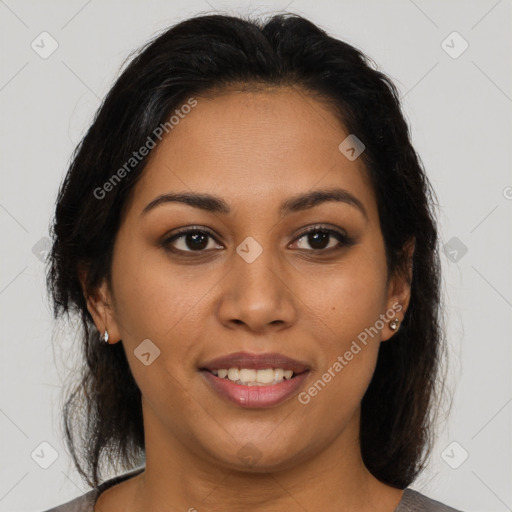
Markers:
(256, 266)
(257, 295)
(256, 269)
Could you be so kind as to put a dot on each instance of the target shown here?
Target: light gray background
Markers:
(459, 110)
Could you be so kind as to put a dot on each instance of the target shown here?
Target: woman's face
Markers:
(250, 279)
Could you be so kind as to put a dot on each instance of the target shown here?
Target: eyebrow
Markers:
(300, 202)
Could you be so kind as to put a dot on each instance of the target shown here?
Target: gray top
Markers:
(412, 501)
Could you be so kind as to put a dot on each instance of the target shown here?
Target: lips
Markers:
(255, 396)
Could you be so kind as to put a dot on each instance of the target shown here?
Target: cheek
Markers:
(348, 297)
(349, 302)
(156, 301)
(353, 335)
(349, 347)
(153, 298)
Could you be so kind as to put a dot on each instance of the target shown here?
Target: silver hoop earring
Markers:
(393, 325)
(105, 336)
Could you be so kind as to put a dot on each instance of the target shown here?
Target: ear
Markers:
(399, 291)
(99, 305)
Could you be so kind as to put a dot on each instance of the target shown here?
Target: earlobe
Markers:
(399, 293)
(100, 307)
(394, 324)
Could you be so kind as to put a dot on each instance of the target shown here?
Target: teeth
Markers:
(245, 375)
(266, 376)
(279, 374)
(233, 374)
(250, 377)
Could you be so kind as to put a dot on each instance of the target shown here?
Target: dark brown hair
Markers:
(103, 415)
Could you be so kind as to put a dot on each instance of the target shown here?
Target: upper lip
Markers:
(255, 362)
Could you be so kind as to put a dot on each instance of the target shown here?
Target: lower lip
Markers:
(254, 397)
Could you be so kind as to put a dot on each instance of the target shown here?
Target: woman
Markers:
(248, 237)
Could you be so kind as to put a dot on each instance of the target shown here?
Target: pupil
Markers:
(199, 241)
(318, 238)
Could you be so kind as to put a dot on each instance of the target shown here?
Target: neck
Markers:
(184, 479)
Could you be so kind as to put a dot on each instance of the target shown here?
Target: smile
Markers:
(251, 377)
(250, 393)
(255, 380)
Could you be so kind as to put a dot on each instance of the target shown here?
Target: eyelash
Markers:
(343, 239)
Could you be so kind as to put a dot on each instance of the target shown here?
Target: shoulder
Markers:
(86, 502)
(413, 501)
(83, 503)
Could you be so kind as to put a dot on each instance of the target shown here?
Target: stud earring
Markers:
(105, 336)
(393, 325)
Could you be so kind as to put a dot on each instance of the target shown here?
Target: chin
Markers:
(258, 456)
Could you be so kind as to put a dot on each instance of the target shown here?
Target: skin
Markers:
(254, 150)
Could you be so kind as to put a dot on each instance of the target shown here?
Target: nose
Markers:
(256, 296)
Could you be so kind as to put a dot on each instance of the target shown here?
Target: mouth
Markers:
(255, 381)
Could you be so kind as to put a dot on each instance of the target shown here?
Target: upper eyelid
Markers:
(318, 227)
(209, 232)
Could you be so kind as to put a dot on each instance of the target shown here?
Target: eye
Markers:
(201, 240)
(191, 240)
(324, 239)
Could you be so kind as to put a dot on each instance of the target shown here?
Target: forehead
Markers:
(246, 146)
